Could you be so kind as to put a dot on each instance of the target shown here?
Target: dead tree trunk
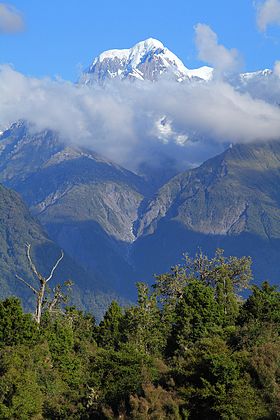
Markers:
(40, 291)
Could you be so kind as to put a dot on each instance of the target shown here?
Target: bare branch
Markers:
(55, 267)
(27, 284)
(55, 300)
(40, 294)
(31, 262)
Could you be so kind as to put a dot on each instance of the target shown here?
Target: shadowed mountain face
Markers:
(105, 218)
(17, 228)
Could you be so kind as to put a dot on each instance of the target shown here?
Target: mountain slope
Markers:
(87, 204)
(98, 211)
(18, 227)
(103, 216)
(236, 182)
(231, 201)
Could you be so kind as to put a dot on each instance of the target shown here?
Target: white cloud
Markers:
(276, 69)
(11, 21)
(210, 51)
(268, 13)
(123, 121)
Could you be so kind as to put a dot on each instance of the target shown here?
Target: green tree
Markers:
(108, 334)
(198, 315)
(115, 375)
(142, 324)
(263, 305)
(20, 393)
(170, 286)
(226, 276)
(213, 382)
(15, 326)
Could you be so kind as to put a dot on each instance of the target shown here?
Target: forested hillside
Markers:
(191, 348)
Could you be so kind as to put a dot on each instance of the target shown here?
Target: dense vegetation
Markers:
(190, 349)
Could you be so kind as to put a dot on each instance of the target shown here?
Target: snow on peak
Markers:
(141, 48)
(148, 45)
(147, 60)
(204, 73)
(256, 74)
(110, 55)
(150, 60)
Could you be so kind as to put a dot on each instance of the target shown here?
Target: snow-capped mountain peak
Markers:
(133, 54)
(256, 74)
(147, 60)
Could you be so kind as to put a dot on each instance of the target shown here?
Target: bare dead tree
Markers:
(43, 281)
(59, 296)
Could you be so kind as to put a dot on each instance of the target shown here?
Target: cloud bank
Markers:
(276, 69)
(11, 21)
(210, 51)
(268, 13)
(132, 123)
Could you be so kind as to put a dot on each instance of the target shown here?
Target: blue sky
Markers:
(63, 36)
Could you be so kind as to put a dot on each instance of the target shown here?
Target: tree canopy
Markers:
(190, 348)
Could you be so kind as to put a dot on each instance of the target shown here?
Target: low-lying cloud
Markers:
(268, 13)
(11, 21)
(135, 122)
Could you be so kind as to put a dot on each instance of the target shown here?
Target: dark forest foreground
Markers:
(191, 348)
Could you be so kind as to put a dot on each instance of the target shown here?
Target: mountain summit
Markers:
(147, 60)
(150, 60)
